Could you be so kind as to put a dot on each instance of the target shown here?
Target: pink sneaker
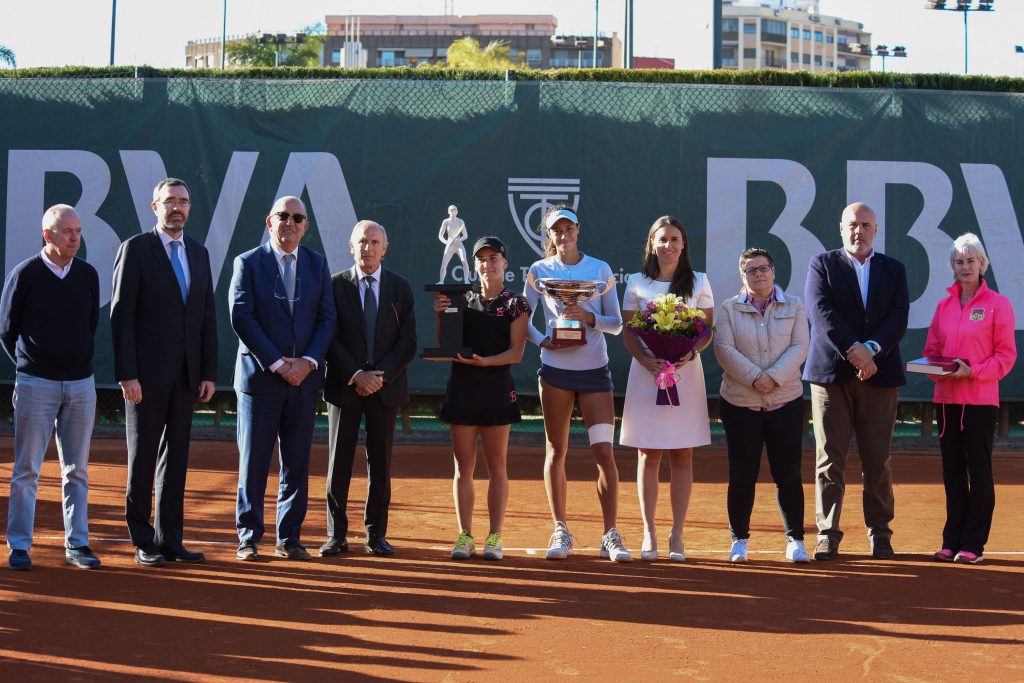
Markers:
(967, 557)
(944, 555)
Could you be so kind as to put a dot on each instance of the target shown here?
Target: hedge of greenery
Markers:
(848, 79)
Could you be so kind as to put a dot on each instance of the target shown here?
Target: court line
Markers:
(529, 551)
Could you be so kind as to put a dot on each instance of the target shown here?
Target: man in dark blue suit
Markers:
(282, 309)
(857, 303)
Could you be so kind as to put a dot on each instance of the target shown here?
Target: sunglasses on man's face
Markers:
(283, 216)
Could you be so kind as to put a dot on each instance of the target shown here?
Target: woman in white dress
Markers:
(674, 430)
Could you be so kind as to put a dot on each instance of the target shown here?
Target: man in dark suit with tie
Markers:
(858, 304)
(164, 327)
(282, 309)
(374, 342)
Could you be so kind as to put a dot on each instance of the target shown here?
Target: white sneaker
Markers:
(738, 552)
(649, 549)
(796, 552)
(560, 545)
(612, 547)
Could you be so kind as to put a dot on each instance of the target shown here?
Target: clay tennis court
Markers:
(421, 616)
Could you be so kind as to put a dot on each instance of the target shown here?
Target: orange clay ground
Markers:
(421, 616)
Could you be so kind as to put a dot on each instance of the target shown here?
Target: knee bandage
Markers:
(601, 433)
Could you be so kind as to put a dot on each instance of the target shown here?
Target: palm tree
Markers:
(465, 53)
(7, 56)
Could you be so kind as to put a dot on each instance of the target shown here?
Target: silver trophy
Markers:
(566, 293)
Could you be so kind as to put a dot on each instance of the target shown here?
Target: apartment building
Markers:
(790, 35)
(391, 40)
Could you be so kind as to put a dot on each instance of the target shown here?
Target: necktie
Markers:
(289, 280)
(369, 316)
(179, 271)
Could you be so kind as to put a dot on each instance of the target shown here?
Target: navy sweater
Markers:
(47, 324)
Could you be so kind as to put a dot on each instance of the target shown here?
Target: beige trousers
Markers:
(840, 412)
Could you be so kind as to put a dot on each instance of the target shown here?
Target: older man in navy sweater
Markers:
(48, 315)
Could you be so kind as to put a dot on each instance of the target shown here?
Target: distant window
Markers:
(749, 27)
(807, 59)
(817, 36)
(807, 34)
(830, 64)
(769, 58)
(794, 57)
(749, 53)
(773, 26)
(794, 32)
(730, 26)
(817, 60)
(335, 56)
(830, 39)
(533, 57)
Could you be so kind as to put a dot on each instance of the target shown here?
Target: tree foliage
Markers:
(250, 52)
(465, 53)
(7, 57)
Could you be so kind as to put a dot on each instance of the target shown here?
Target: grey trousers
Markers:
(840, 412)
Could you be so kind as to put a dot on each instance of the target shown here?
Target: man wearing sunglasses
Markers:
(282, 309)
(164, 327)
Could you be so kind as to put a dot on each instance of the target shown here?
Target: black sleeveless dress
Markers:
(484, 396)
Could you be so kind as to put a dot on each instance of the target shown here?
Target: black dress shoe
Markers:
(293, 551)
(827, 549)
(333, 546)
(149, 557)
(379, 547)
(181, 554)
(881, 549)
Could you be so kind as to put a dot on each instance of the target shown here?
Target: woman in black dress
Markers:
(481, 395)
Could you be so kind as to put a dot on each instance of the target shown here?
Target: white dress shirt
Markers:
(54, 268)
(167, 239)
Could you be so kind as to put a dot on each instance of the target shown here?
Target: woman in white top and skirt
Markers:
(570, 371)
(665, 429)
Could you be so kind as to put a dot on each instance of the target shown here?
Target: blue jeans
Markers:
(39, 406)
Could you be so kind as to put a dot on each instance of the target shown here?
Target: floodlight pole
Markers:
(224, 37)
(716, 34)
(965, 42)
(113, 29)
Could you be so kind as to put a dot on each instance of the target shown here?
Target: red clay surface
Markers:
(421, 616)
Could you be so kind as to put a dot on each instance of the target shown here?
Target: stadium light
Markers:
(882, 51)
(964, 6)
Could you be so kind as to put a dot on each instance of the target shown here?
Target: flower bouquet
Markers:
(670, 329)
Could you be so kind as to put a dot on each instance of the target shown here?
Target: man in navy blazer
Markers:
(857, 303)
(164, 327)
(282, 309)
(374, 342)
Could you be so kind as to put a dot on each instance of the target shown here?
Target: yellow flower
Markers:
(665, 321)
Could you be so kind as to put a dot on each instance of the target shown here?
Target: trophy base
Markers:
(446, 353)
(568, 336)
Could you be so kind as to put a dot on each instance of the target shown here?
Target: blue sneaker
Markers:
(19, 560)
(81, 557)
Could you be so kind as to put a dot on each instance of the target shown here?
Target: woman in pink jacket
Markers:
(975, 326)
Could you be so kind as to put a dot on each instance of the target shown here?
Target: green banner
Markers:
(741, 166)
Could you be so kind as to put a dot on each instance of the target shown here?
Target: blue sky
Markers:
(77, 32)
